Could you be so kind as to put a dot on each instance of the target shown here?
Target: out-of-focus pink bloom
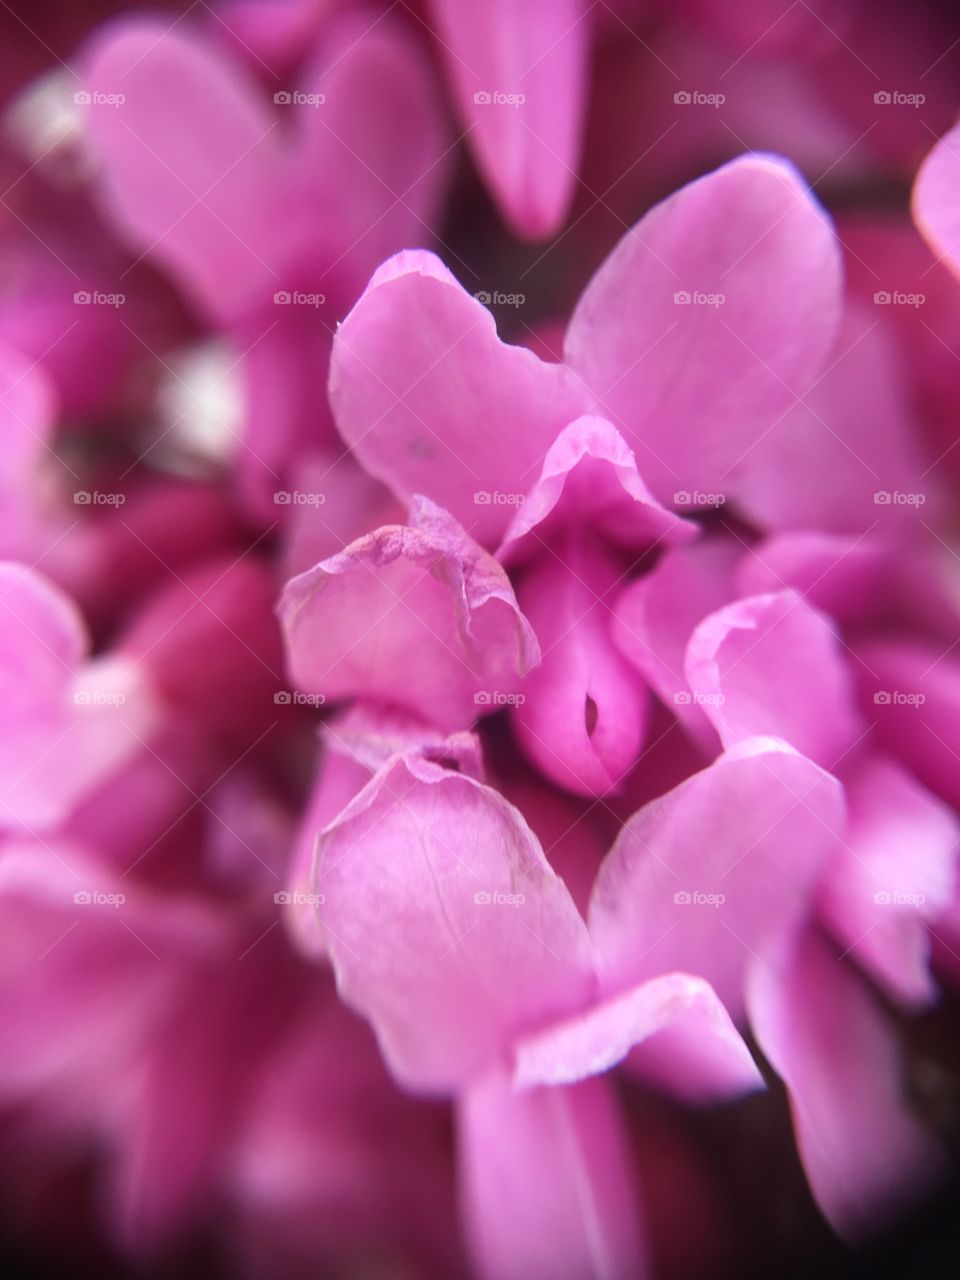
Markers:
(70, 721)
(824, 1031)
(519, 77)
(270, 225)
(936, 199)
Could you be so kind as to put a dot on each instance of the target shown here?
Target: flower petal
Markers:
(936, 199)
(191, 168)
(519, 77)
(705, 877)
(583, 714)
(865, 1156)
(772, 665)
(690, 380)
(677, 1015)
(445, 924)
(547, 1183)
(844, 458)
(895, 872)
(431, 401)
(655, 615)
(418, 617)
(590, 476)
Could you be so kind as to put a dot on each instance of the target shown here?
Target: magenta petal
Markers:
(690, 380)
(706, 876)
(895, 871)
(843, 459)
(841, 575)
(354, 746)
(419, 617)
(583, 711)
(590, 476)
(936, 199)
(431, 401)
(26, 421)
(772, 665)
(547, 1183)
(519, 76)
(830, 1042)
(911, 691)
(714, 1055)
(371, 160)
(655, 615)
(190, 163)
(67, 722)
(445, 924)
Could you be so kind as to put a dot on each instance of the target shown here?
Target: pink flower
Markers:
(447, 927)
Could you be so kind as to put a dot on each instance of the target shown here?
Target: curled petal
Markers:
(590, 476)
(431, 401)
(707, 1054)
(654, 616)
(772, 665)
(419, 617)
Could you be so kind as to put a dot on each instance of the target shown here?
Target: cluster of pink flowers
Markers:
(479, 631)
